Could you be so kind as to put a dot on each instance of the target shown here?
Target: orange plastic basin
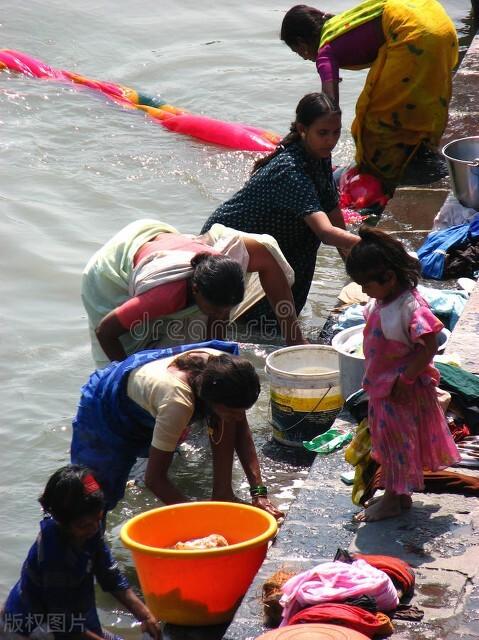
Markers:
(197, 587)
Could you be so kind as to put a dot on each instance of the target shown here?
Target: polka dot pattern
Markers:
(276, 200)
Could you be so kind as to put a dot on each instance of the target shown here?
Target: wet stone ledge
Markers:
(438, 537)
(465, 338)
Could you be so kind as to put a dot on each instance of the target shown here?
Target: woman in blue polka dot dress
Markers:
(292, 196)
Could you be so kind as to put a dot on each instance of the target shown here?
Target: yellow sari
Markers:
(406, 96)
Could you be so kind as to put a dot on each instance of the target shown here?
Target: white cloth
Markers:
(161, 267)
(452, 213)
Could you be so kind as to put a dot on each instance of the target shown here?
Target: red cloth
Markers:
(346, 615)
(459, 431)
(153, 304)
(399, 571)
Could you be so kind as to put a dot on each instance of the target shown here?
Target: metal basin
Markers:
(462, 158)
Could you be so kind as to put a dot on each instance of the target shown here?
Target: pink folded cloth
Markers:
(336, 582)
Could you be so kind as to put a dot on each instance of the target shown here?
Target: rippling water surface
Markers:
(75, 168)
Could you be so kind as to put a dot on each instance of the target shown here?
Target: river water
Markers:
(76, 168)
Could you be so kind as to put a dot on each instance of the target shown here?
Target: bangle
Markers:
(258, 491)
(404, 378)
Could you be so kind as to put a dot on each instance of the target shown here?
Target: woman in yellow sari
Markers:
(411, 48)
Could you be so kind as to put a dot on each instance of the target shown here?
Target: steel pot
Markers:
(462, 158)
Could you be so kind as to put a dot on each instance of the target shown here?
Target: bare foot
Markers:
(404, 500)
(387, 506)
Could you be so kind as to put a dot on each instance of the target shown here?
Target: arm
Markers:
(157, 480)
(174, 404)
(424, 356)
(276, 288)
(225, 439)
(244, 447)
(137, 313)
(130, 600)
(327, 66)
(336, 218)
(320, 223)
(401, 389)
(112, 580)
(108, 333)
(331, 89)
(248, 458)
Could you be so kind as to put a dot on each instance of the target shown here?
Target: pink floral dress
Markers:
(408, 437)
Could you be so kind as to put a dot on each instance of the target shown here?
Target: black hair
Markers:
(304, 23)
(71, 493)
(311, 107)
(219, 279)
(225, 379)
(378, 252)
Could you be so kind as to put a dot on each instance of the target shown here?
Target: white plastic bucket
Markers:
(351, 364)
(351, 359)
(305, 393)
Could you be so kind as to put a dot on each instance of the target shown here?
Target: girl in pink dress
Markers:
(408, 430)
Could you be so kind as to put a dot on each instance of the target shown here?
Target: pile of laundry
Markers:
(446, 304)
(451, 250)
(360, 592)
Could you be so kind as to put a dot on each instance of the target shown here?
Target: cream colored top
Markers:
(167, 398)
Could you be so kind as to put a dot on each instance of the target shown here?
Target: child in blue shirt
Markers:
(56, 591)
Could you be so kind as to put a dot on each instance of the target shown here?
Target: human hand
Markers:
(151, 626)
(401, 391)
(262, 502)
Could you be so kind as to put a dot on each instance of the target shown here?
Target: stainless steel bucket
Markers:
(463, 163)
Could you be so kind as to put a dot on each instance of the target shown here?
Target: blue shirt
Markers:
(56, 585)
(276, 200)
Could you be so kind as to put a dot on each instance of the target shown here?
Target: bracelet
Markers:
(258, 491)
(404, 378)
